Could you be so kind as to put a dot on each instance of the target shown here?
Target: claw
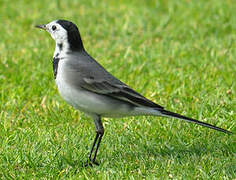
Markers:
(90, 163)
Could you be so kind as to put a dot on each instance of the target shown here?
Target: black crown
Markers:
(73, 34)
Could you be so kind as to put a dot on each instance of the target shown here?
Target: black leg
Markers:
(97, 140)
(94, 142)
(98, 144)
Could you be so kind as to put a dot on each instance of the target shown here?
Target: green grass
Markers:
(180, 54)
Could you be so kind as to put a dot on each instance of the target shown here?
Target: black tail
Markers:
(175, 115)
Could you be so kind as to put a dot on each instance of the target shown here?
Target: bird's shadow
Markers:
(181, 151)
(173, 150)
(176, 151)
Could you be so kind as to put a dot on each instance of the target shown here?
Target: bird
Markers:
(85, 84)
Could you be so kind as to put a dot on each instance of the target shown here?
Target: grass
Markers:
(180, 54)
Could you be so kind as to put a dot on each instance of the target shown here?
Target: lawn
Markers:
(180, 54)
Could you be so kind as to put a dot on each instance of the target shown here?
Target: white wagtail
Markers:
(86, 85)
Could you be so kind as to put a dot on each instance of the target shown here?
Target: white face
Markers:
(58, 33)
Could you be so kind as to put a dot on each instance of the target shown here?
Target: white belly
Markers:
(90, 102)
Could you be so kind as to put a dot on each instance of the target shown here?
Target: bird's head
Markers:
(65, 33)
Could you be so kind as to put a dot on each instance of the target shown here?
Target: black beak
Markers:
(42, 26)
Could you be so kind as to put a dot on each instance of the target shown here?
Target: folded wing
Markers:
(118, 91)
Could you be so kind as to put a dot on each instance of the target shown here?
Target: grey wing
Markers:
(118, 91)
(90, 75)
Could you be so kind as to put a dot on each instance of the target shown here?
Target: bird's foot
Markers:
(90, 163)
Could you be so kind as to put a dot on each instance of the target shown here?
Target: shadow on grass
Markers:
(178, 150)
(142, 151)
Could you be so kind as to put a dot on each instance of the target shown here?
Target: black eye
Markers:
(54, 27)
